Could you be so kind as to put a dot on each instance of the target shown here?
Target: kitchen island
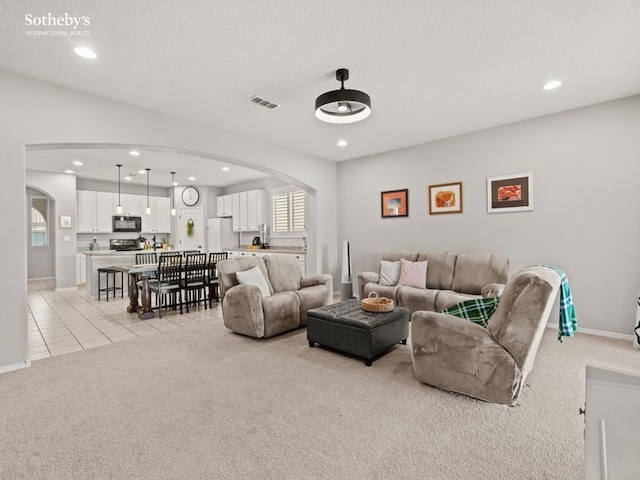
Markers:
(106, 258)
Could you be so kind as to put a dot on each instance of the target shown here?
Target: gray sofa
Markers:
(488, 363)
(246, 311)
(451, 278)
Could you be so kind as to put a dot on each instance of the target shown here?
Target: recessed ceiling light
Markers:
(225, 169)
(192, 178)
(85, 52)
(77, 162)
(551, 84)
(134, 153)
(128, 178)
(142, 172)
(68, 171)
(342, 143)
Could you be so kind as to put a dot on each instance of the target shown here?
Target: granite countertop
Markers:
(294, 250)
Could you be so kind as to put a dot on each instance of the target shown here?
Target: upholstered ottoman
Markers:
(347, 328)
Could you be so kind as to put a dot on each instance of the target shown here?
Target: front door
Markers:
(191, 228)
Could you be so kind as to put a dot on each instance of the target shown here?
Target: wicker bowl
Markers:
(377, 305)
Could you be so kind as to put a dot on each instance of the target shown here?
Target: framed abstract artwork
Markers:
(510, 193)
(445, 198)
(395, 203)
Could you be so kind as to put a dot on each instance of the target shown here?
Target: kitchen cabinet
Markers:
(132, 205)
(95, 210)
(81, 268)
(160, 219)
(224, 205)
(249, 210)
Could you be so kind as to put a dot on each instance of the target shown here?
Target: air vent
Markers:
(263, 102)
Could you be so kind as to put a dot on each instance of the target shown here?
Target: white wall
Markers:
(62, 189)
(586, 178)
(34, 112)
(40, 259)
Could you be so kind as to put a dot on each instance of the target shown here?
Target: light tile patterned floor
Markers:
(67, 320)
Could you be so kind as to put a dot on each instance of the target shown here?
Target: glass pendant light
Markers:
(147, 210)
(119, 206)
(173, 193)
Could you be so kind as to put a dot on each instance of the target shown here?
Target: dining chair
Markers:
(193, 279)
(189, 252)
(168, 282)
(213, 290)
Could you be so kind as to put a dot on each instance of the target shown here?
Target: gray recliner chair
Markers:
(487, 363)
(247, 311)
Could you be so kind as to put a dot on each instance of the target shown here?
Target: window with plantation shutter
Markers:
(288, 212)
(39, 221)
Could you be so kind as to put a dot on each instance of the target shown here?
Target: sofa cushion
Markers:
(281, 313)
(441, 267)
(475, 270)
(417, 298)
(413, 274)
(254, 277)
(389, 273)
(284, 272)
(396, 256)
(476, 310)
(311, 297)
(227, 270)
(448, 298)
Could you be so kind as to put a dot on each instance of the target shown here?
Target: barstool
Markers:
(110, 272)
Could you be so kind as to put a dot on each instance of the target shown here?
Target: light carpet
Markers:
(205, 403)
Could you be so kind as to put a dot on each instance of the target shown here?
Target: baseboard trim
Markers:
(17, 366)
(598, 333)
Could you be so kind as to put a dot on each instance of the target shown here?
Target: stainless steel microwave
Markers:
(125, 223)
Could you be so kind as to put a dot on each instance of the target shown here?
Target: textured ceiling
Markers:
(434, 69)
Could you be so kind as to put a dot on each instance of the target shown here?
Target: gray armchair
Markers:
(487, 363)
(247, 311)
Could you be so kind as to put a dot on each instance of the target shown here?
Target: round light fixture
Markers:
(77, 162)
(192, 178)
(225, 169)
(343, 106)
(551, 85)
(85, 52)
(134, 153)
(342, 143)
(68, 171)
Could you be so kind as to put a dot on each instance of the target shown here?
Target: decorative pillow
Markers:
(254, 277)
(413, 274)
(389, 273)
(476, 310)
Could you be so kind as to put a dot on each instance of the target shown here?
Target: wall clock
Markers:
(190, 196)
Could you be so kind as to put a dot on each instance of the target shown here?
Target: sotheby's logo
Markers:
(56, 25)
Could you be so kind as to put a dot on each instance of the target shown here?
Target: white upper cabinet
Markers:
(132, 205)
(249, 210)
(224, 205)
(160, 219)
(95, 210)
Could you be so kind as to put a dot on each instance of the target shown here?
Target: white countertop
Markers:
(269, 250)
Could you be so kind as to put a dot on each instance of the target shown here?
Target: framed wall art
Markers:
(445, 198)
(510, 193)
(65, 221)
(395, 203)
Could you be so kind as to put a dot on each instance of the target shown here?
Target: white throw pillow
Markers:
(413, 274)
(389, 273)
(254, 277)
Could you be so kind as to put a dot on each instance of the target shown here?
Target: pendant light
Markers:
(173, 193)
(119, 206)
(148, 209)
(343, 106)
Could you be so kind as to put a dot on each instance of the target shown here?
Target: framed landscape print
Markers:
(65, 221)
(510, 193)
(445, 198)
(395, 203)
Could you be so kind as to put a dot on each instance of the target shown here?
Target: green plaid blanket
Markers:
(568, 323)
(476, 310)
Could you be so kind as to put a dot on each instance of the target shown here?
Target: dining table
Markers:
(135, 272)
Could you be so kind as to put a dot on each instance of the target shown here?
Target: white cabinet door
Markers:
(224, 206)
(104, 212)
(95, 210)
(132, 205)
(159, 221)
(237, 214)
(86, 211)
(249, 210)
(163, 214)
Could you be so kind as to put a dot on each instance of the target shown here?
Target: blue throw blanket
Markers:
(568, 323)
